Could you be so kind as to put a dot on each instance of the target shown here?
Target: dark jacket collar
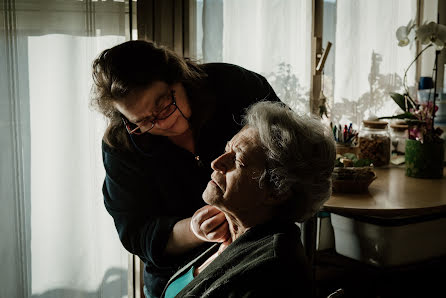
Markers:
(242, 243)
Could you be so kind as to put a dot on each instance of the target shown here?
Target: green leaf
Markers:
(363, 162)
(401, 102)
(405, 115)
(350, 156)
(338, 163)
(415, 122)
(398, 99)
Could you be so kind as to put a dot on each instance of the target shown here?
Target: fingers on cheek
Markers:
(205, 213)
(200, 216)
(223, 230)
(196, 222)
(212, 237)
(220, 233)
(220, 217)
(213, 222)
(208, 225)
(211, 211)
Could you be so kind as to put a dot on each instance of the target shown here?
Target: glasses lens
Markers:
(133, 128)
(167, 111)
(168, 108)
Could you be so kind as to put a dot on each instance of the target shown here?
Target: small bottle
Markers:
(374, 142)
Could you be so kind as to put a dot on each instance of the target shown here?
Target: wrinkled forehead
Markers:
(247, 141)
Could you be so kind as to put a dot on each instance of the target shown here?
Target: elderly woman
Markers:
(274, 172)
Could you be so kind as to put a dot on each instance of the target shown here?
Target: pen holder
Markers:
(342, 149)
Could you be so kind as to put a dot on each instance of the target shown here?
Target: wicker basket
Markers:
(352, 180)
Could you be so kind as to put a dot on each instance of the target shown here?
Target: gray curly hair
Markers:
(300, 155)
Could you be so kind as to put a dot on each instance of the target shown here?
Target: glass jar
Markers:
(374, 142)
(398, 136)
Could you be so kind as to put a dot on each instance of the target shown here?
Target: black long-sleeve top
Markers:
(147, 192)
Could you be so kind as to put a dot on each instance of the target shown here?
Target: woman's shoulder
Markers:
(227, 72)
(271, 239)
(237, 86)
(279, 242)
(222, 66)
(116, 159)
(282, 248)
(115, 151)
(148, 146)
(273, 262)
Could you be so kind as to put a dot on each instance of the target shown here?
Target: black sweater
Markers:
(146, 194)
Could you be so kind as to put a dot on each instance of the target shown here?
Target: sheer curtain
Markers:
(271, 37)
(366, 62)
(57, 238)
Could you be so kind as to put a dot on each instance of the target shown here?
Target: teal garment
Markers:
(178, 284)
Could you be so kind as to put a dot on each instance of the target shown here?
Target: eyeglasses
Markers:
(148, 123)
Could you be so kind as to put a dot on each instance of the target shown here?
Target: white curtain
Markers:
(367, 62)
(57, 238)
(271, 37)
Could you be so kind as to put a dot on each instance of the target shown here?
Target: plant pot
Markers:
(424, 160)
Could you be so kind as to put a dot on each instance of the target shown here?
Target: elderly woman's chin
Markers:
(212, 194)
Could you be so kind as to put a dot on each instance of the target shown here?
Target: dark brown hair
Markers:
(130, 66)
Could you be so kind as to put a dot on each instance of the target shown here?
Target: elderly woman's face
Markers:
(234, 186)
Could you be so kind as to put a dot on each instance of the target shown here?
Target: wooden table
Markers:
(397, 198)
(393, 195)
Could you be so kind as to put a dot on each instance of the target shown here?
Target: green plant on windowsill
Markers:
(424, 152)
(419, 116)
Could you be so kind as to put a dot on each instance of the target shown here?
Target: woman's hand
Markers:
(209, 224)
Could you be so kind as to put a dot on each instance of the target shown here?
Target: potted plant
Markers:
(424, 152)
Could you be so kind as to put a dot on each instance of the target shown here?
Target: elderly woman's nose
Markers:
(220, 163)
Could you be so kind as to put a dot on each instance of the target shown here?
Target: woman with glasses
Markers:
(168, 118)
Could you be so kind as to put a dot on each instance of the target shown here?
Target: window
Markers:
(58, 238)
(365, 63)
(272, 38)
